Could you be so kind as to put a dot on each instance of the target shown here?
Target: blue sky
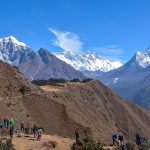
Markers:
(113, 28)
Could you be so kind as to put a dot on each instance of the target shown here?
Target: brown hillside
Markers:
(95, 106)
(90, 106)
(34, 106)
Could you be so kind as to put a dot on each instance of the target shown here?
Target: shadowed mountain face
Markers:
(131, 81)
(44, 65)
(90, 106)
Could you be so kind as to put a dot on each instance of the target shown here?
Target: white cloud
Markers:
(67, 41)
(112, 52)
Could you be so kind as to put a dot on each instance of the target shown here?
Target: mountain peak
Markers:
(13, 40)
(143, 58)
(12, 51)
(43, 50)
(89, 61)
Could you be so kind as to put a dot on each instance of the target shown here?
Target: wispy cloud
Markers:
(67, 41)
(112, 52)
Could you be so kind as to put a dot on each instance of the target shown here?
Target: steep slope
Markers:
(90, 106)
(33, 106)
(128, 80)
(87, 61)
(142, 94)
(95, 106)
(44, 65)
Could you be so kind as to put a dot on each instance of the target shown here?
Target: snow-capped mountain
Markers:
(131, 81)
(14, 52)
(35, 65)
(87, 61)
(143, 58)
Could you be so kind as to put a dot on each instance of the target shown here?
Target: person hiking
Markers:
(22, 126)
(4, 126)
(39, 132)
(35, 130)
(120, 138)
(77, 135)
(28, 128)
(11, 132)
(12, 122)
(114, 139)
(5, 122)
(138, 139)
(8, 123)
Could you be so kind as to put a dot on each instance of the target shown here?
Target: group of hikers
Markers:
(37, 131)
(118, 140)
(7, 126)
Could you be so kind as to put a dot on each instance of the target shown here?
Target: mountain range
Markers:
(88, 61)
(131, 81)
(43, 64)
(35, 65)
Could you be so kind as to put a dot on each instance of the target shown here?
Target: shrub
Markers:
(87, 80)
(50, 144)
(75, 80)
(24, 89)
(143, 148)
(6, 145)
(130, 146)
(87, 143)
(50, 81)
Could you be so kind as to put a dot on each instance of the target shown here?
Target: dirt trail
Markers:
(51, 88)
(110, 147)
(30, 143)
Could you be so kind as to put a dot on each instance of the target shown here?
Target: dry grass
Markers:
(28, 143)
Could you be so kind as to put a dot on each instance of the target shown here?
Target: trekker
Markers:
(12, 122)
(7, 123)
(138, 140)
(4, 126)
(120, 138)
(22, 127)
(11, 132)
(35, 130)
(77, 135)
(114, 138)
(39, 132)
(28, 128)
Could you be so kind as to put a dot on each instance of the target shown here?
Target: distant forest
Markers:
(59, 82)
